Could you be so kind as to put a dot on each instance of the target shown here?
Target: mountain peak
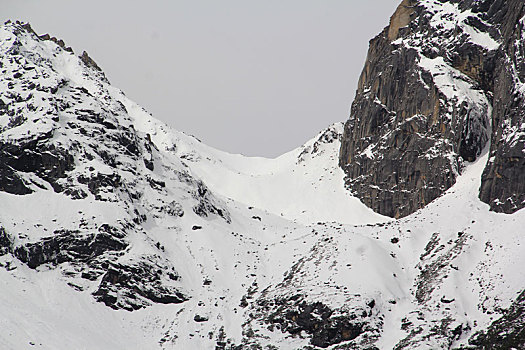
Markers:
(119, 232)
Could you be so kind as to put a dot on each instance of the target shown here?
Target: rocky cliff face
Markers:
(122, 233)
(58, 136)
(503, 187)
(424, 106)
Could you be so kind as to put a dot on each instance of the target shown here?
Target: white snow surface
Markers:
(288, 211)
(305, 185)
(448, 16)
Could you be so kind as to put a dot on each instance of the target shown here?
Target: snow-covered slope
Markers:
(304, 184)
(117, 232)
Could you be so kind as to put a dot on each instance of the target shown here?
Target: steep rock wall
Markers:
(503, 185)
(424, 101)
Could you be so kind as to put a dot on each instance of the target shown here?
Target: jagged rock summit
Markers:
(119, 232)
(440, 82)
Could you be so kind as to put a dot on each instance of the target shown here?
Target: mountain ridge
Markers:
(134, 235)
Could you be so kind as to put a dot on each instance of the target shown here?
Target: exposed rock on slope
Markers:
(56, 135)
(503, 186)
(507, 332)
(424, 102)
(105, 210)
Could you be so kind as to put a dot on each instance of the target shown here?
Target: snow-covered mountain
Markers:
(118, 232)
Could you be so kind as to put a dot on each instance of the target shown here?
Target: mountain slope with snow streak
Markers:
(118, 232)
(304, 184)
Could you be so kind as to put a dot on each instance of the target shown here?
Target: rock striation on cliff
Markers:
(503, 185)
(434, 82)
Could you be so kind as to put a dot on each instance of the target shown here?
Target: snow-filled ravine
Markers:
(194, 248)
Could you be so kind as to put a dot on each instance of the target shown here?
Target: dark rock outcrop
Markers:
(135, 285)
(67, 246)
(88, 61)
(296, 316)
(503, 185)
(12, 182)
(316, 319)
(423, 105)
(37, 156)
(435, 264)
(208, 204)
(507, 332)
(6, 244)
(332, 134)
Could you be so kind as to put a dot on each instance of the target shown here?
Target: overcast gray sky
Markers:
(250, 77)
